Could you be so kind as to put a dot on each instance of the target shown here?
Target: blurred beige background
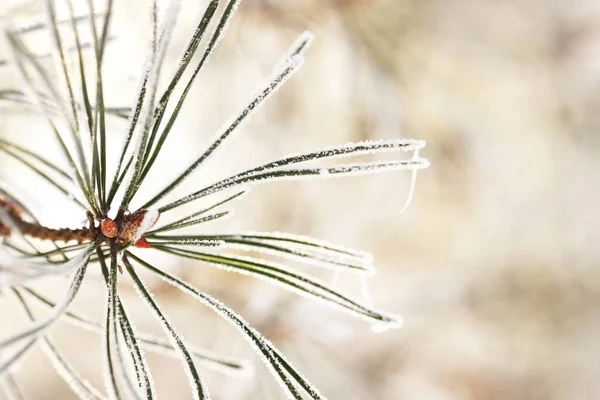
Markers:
(494, 265)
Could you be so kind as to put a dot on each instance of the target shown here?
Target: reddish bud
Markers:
(108, 228)
(142, 244)
(136, 224)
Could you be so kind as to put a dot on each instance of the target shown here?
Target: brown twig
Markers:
(38, 231)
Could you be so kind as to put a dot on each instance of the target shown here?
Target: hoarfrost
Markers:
(149, 219)
(273, 171)
(413, 183)
(275, 362)
(199, 389)
(279, 77)
(32, 334)
(80, 386)
(383, 327)
(280, 275)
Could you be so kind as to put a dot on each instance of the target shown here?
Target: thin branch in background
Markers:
(43, 25)
(80, 386)
(42, 56)
(9, 384)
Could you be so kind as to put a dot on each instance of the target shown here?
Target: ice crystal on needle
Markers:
(116, 235)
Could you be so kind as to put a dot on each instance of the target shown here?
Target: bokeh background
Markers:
(494, 266)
